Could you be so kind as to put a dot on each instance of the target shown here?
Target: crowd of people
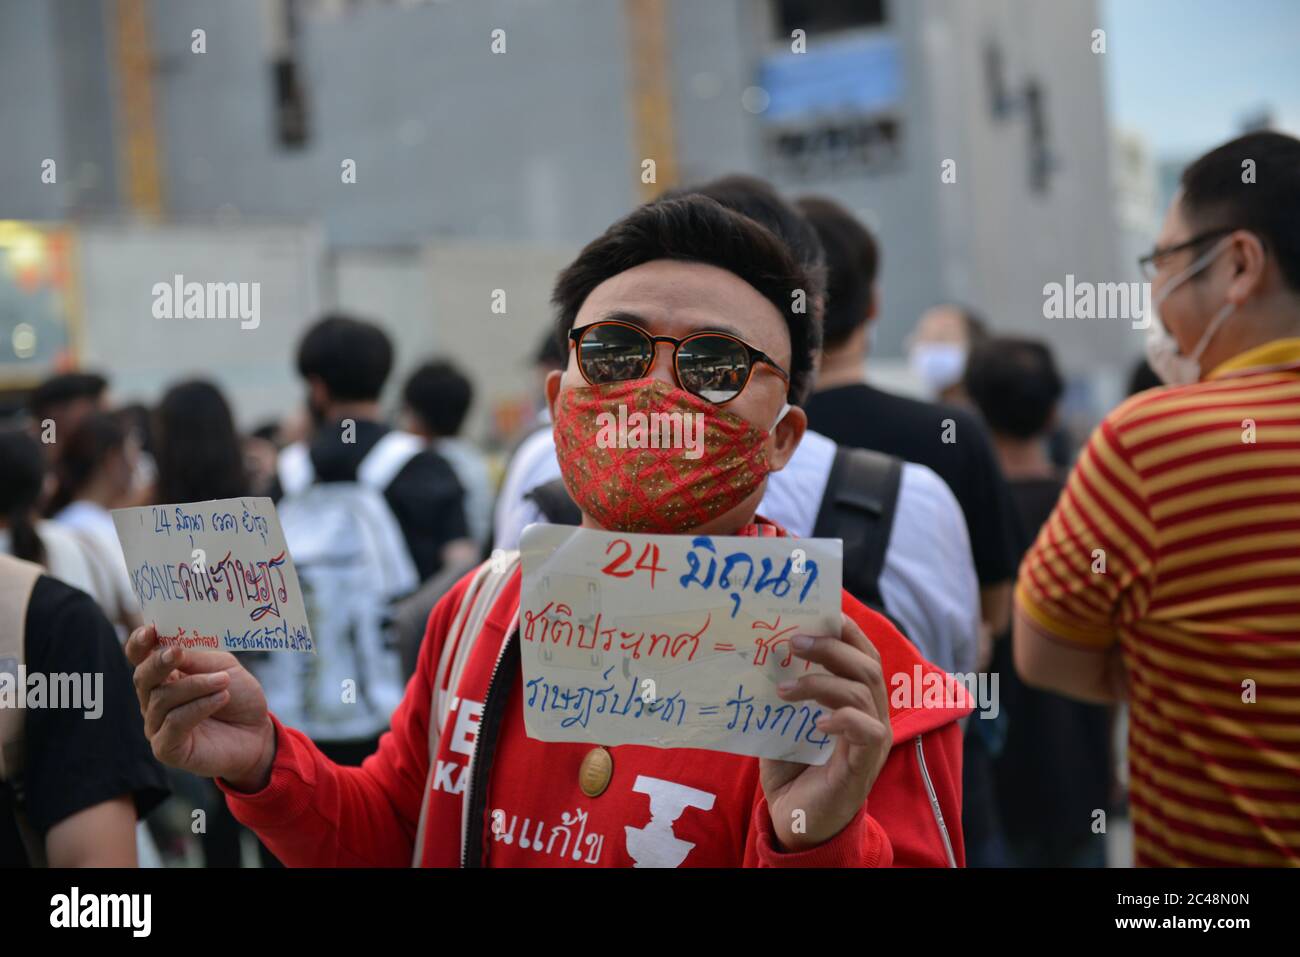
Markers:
(1147, 579)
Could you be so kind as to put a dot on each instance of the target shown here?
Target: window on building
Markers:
(835, 148)
(828, 16)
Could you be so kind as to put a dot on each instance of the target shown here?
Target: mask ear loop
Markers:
(1228, 309)
(784, 409)
(1201, 262)
(1196, 266)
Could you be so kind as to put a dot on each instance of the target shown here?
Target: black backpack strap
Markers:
(858, 507)
(556, 505)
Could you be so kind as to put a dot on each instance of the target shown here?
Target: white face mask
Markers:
(1163, 356)
(938, 364)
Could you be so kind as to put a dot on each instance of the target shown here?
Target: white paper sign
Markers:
(215, 575)
(674, 641)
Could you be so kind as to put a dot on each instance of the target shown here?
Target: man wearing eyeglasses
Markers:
(1169, 572)
(682, 307)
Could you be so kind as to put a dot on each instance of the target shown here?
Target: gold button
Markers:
(594, 773)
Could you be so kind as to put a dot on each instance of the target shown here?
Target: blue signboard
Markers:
(853, 76)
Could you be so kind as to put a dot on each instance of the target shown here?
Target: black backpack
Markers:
(858, 507)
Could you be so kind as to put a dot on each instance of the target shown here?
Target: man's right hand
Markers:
(203, 712)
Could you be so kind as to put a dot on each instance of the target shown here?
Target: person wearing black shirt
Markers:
(1053, 771)
(85, 781)
(951, 441)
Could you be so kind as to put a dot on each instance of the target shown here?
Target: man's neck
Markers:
(839, 369)
(100, 493)
(367, 411)
(1023, 458)
(1258, 328)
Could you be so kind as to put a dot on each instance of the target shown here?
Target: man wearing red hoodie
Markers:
(682, 306)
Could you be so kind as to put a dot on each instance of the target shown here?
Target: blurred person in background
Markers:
(938, 347)
(261, 448)
(95, 473)
(1168, 574)
(344, 363)
(23, 533)
(949, 440)
(845, 408)
(137, 417)
(532, 464)
(64, 400)
(72, 786)
(1053, 761)
(436, 399)
(199, 458)
(368, 514)
(197, 449)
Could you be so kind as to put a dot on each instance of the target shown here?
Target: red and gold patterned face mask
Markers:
(642, 456)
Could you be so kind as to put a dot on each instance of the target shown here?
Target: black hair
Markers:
(268, 431)
(852, 261)
(65, 387)
(553, 350)
(82, 453)
(138, 419)
(1216, 196)
(350, 356)
(197, 450)
(759, 200)
(695, 228)
(22, 473)
(1014, 383)
(440, 394)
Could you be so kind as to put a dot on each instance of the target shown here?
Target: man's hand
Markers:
(853, 694)
(203, 712)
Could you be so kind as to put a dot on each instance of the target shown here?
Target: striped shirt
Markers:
(1178, 535)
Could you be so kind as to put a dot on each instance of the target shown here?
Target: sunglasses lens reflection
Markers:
(713, 367)
(612, 353)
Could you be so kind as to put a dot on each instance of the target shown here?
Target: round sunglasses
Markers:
(712, 365)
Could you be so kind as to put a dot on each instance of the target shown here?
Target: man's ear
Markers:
(786, 437)
(1249, 261)
(553, 390)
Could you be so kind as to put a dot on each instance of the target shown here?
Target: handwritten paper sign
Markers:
(674, 641)
(215, 575)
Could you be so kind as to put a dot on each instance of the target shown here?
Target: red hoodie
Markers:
(519, 803)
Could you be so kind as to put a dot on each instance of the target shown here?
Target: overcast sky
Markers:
(1185, 72)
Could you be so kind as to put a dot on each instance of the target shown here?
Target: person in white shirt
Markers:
(95, 473)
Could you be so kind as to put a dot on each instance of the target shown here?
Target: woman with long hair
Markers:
(23, 533)
(197, 452)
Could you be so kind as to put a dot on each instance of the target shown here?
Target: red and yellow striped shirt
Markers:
(1178, 535)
